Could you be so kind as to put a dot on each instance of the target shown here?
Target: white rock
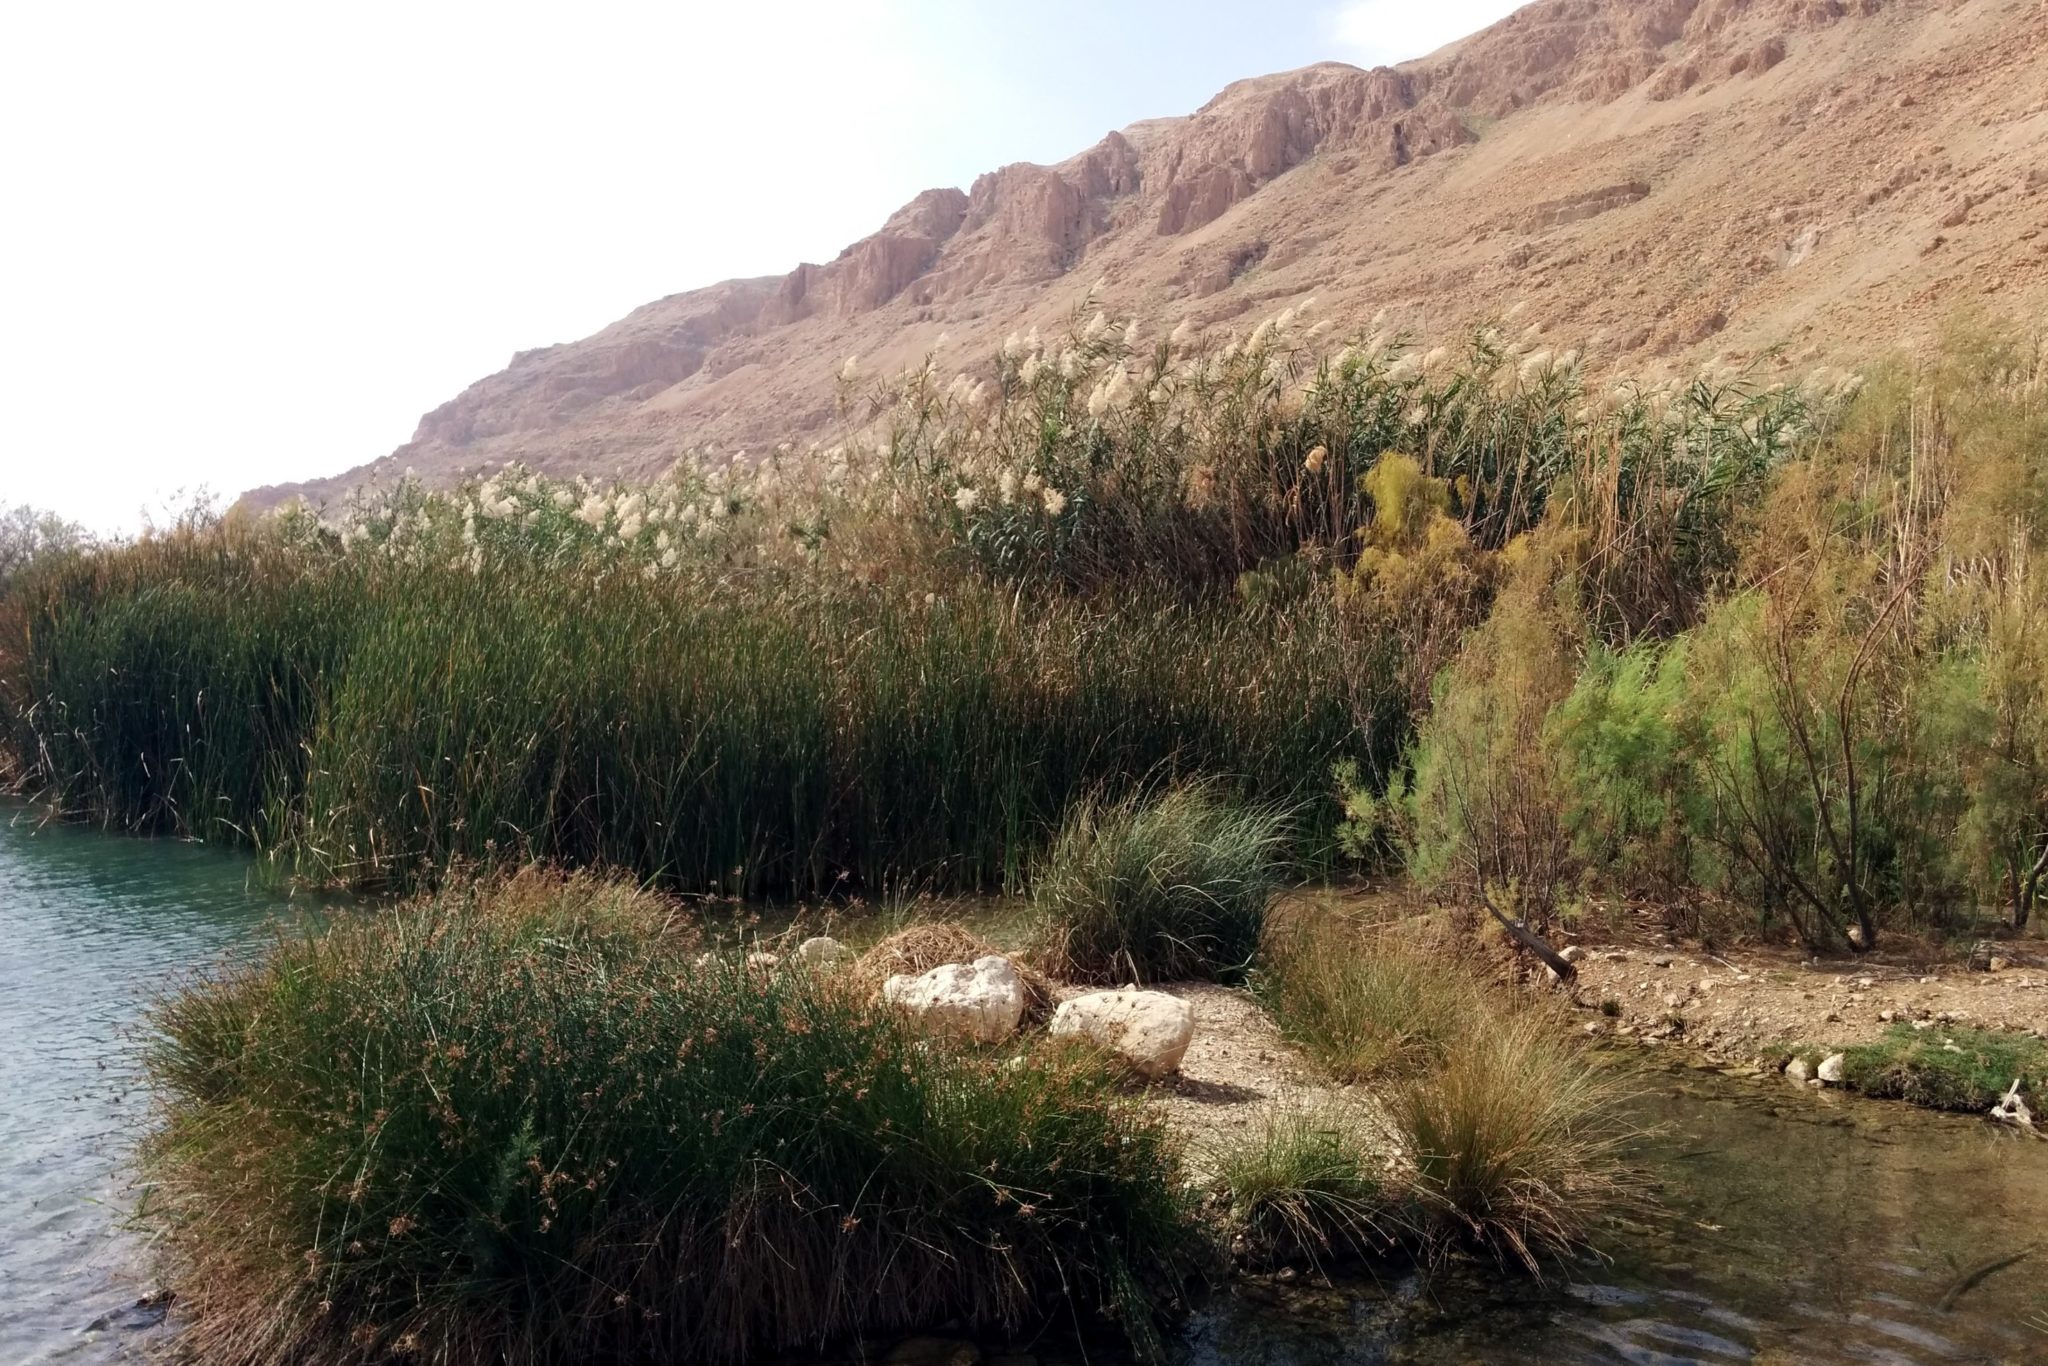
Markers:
(1148, 1028)
(982, 1000)
(1571, 953)
(823, 951)
(1798, 1069)
(1831, 1069)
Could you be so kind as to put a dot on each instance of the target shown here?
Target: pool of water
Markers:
(1796, 1227)
(91, 928)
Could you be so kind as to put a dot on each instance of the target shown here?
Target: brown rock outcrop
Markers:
(1642, 174)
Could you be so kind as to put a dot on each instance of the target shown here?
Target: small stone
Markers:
(1798, 1069)
(1663, 962)
(1571, 953)
(1830, 1071)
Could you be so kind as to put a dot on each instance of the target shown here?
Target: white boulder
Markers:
(1831, 1069)
(823, 951)
(1149, 1029)
(1799, 1069)
(982, 1000)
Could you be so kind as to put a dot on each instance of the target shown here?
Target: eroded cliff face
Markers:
(1656, 179)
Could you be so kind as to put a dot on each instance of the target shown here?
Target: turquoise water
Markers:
(1798, 1228)
(91, 928)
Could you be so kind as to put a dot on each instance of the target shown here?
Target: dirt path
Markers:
(1237, 1072)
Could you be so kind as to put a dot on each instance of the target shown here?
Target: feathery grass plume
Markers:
(1158, 887)
(527, 1122)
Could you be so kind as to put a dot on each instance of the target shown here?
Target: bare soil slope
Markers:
(1659, 181)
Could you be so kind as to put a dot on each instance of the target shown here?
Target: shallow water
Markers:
(1799, 1227)
(91, 928)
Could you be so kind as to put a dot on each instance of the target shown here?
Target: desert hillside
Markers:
(1658, 181)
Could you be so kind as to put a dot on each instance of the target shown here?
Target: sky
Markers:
(243, 243)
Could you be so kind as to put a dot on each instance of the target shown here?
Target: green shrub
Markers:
(1306, 1185)
(1160, 888)
(527, 1123)
(1484, 799)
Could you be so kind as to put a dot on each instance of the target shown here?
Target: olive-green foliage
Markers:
(1158, 887)
(1484, 795)
(1633, 804)
(527, 1123)
(1855, 731)
(28, 534)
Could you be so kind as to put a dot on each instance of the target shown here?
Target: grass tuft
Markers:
(1366, 1002)
(1516, 1141)
(526, 1123)
(1514, 1144)
(1172, 887)
(1945, 1068)
(1307, 1186)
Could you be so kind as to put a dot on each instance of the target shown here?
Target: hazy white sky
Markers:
(248, 242)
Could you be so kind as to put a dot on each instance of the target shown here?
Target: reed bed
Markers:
(1718, 641)
(368, 726)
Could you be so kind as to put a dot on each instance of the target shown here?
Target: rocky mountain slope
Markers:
(1658, 181)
